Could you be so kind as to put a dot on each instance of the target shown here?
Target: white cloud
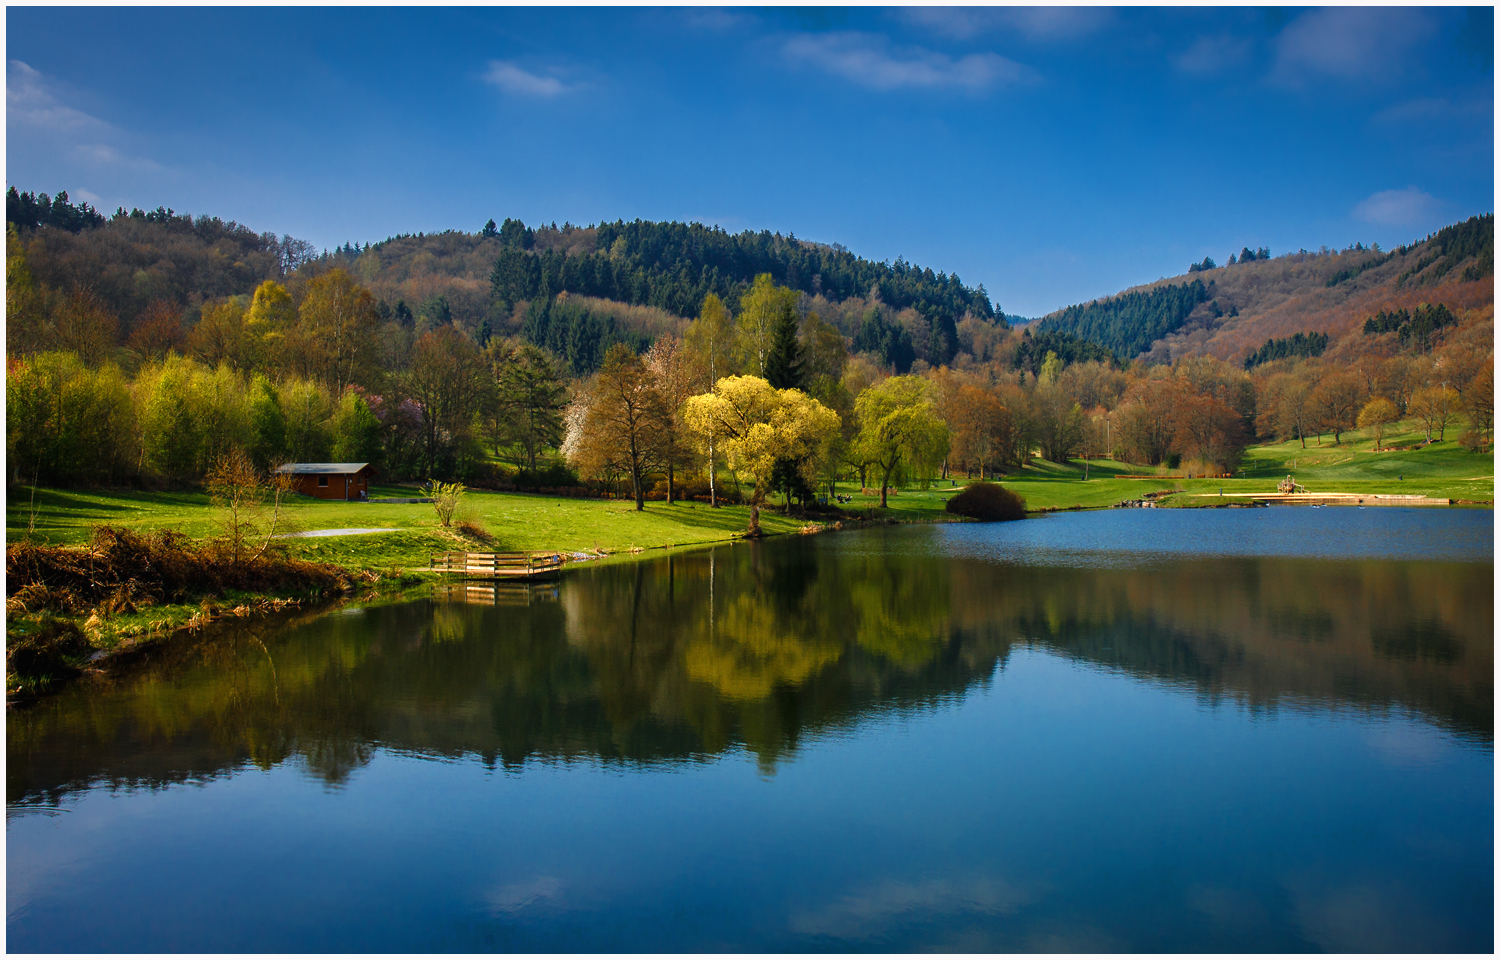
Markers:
(1349, 43)
(716, 19)
(104, 155)
(1433, 112)
(869, 60)
(513, 79)
(1212, 54)
(1033, 23)
(29, 103)
(37, 115)
(1398, 208)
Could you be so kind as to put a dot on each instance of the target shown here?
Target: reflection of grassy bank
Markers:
(759, 647)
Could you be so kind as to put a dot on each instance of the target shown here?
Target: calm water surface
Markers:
(1246, 730)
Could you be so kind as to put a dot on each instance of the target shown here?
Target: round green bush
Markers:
(987, 501)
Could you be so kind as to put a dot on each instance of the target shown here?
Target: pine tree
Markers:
(784, 362)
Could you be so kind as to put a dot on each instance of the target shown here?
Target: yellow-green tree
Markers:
(758, 425)
(711, 342)
(219, 335)
(899, 425)
(760, 309)
(23, 314)
(66, 423)
(334, 342)
(269, 322)
(1375, 415)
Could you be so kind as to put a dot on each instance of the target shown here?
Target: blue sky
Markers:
(1053, 154)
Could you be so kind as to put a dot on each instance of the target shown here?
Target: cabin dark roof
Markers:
(321, 467)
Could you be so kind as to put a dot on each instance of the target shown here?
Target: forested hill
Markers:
(131, 259)
(1231, 311)
(675, 265)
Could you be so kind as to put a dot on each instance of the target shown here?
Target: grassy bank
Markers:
(520, 521)
(515, 521)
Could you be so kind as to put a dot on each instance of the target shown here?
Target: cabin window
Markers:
(322, 481)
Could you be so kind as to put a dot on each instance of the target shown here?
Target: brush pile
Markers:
(120, 570)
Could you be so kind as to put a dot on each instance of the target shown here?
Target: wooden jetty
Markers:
(499, 566)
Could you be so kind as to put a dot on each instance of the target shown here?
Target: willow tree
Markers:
(899, 424)
(758, 425)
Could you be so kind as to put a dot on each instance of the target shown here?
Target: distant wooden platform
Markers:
(499, 566)
(1338, 499)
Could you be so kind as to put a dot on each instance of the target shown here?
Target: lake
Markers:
(1133, 730)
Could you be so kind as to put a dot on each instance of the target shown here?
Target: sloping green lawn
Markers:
(516, 521)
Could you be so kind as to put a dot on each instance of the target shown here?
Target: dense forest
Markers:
(1129, 323)
(1474, 239)
(1297, 345)
(675, 265)
(1412, 328)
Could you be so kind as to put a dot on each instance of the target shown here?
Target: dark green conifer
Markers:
(784, 363)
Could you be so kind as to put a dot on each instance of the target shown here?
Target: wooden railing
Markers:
(498, 564)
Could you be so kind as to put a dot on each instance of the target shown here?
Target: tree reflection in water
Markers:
(758, 646)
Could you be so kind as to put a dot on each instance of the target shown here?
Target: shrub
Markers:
(553, 475)
(446, 500)
(987, 501)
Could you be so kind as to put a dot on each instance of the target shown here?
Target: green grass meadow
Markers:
(516, 521)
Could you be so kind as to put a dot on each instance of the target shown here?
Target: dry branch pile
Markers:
(121, 569)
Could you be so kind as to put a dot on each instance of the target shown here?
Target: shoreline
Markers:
(173, 621)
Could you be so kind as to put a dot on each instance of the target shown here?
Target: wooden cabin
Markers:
(331, 481)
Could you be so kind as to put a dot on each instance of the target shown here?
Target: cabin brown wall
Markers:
(335, 489)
